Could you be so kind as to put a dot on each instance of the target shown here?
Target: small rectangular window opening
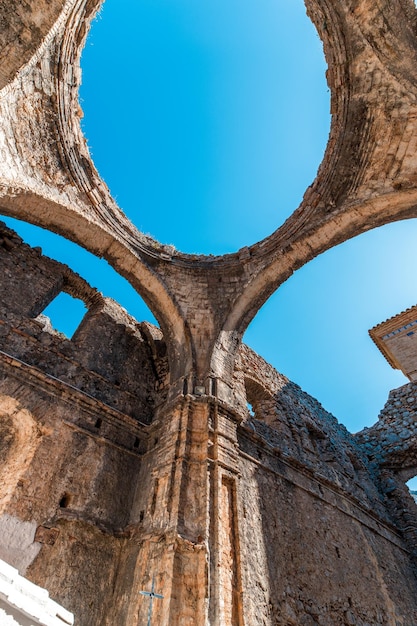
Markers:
(64, 501)
(64, 314)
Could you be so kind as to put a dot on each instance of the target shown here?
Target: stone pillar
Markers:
(186, 520)
(225, 574)
(170, 517)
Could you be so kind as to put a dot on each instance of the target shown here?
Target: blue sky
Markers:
(208, 120)
(212, 117)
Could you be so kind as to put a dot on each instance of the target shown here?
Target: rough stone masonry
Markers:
(128, 453)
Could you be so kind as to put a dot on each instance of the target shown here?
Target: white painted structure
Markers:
(24, 604)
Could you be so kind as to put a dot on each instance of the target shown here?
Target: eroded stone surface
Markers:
(112, 477)
(128, 454)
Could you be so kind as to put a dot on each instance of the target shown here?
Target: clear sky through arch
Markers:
(259, 67)
(207, 120)
(315, 328)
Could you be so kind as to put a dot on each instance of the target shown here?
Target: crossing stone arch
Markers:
(367, 177)
(191, 491)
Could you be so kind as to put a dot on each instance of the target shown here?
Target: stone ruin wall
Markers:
(320, 522)
(128, 452)
(302, 528)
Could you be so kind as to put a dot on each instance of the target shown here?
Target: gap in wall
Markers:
(65, 313)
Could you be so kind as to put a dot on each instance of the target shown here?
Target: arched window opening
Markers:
(260, 403)
(63, 315)
(218, 103)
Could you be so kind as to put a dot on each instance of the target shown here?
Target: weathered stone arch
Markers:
(164, 469)
(367, 177)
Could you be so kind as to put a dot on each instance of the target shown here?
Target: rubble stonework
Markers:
(95, 486)
(129, 459)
